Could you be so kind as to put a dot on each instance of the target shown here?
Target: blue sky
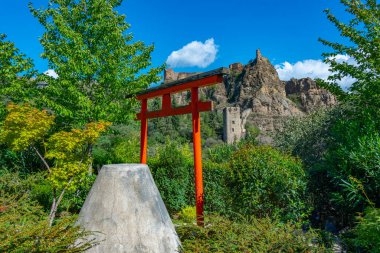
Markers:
(286, 31)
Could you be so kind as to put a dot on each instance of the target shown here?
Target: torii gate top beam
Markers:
(199, 80)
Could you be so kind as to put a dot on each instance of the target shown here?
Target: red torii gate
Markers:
(192, 83)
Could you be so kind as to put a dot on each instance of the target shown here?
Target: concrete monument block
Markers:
(124, 205)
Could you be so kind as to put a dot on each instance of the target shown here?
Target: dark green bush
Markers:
(266, 182)
(216, 192)
(258, 235)
(220, 153)
(172, 170)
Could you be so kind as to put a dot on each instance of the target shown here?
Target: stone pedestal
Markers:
(124, 205)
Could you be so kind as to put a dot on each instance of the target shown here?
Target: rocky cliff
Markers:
(264, 100)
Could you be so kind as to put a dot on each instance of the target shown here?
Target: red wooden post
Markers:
(197, 156)
(144, 131)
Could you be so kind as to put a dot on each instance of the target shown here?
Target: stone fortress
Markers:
(254, 95)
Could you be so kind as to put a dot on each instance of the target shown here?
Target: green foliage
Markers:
(88, 44)
(24, 126)
(74, 200)
(220, 153)
(353, 163)
(349, 166)
(252, 133)
(217, 195)
(363, 33)
(24, 227)
(265, 182)
(68, 152)
(367, 231)
(121, 144)
(258, 235)
(17, 185)
(306, 137)
(16, 71)
(188, 214)
(39, 189)
(172, 170)
(340, 149)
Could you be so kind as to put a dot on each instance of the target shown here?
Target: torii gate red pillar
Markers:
(197, 146)
(195, 107)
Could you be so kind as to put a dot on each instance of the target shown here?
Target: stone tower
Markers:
(232, 130)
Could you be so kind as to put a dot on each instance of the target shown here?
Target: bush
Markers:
(220, 153)
(217, 196)
(172, 170)
(366, 234)
(265, 182)
(24, 227)
(341, 152)
(120, 145)
(258, 235)
(188, 214)
(39, 189)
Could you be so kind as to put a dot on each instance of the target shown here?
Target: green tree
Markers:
(339, 147)
(363, 32)
(16, 72)
(66, 155)
(98, 66)
(352, 155)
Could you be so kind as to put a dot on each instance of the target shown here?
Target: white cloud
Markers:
(52, 73)
(313, 69)
(194, 54)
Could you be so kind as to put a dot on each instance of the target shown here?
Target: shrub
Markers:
(120, 145)
(266, 182)
(258, 235)
(24, 227)
(220, 153)
(340, 149)
(172, 170)
(38, 189)
(188, 214)
(366, 234)
(217, 196)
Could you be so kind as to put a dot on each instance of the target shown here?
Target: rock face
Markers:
(124, 205)
(264, 100)
(307, 95)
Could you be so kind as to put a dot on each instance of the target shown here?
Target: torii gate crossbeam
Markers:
(192, 83)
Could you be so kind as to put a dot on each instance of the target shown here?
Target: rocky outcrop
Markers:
(259, 92)
(307, 95)
(264, 100)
